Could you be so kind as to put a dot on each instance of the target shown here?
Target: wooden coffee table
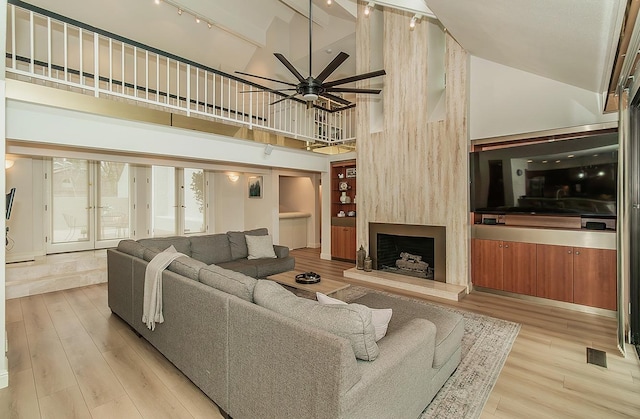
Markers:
(325, 286)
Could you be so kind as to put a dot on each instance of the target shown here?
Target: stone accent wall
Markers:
(414, 171)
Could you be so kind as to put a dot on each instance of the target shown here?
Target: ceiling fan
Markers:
(311, 88)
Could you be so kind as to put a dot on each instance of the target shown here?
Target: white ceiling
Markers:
(572, 41)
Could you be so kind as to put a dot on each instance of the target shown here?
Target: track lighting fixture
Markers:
(198, 17)
(416, 18)
(368, 8)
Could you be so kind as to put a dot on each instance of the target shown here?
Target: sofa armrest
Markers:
(396, 384)
(281, 251)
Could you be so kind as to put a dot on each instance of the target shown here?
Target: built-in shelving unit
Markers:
(343, 210)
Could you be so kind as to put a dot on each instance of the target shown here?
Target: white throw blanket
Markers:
(152, 300)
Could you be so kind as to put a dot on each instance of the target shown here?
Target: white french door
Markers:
(178, 201)
(89, 204)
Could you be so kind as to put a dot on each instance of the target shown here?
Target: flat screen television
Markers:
(562, 177)
(10, 197)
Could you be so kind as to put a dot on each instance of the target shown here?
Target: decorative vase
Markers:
(361, 254)
(368, 264)
(344, 198)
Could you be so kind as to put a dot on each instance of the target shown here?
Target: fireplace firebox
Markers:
(409, 249)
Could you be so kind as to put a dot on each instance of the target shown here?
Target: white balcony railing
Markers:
(62, 53)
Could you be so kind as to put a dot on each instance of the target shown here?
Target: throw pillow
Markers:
(352, 322)
(380, 317)
(260, 247)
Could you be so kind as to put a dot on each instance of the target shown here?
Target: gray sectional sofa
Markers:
(258, 351)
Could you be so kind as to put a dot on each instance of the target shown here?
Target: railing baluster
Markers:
(96, 65)
(80, 55)
(135, 72)
(146, 74)
(110, 65)
(188, 74)
(31, 43)
(13, 37)
(158, 78)
(49, 47)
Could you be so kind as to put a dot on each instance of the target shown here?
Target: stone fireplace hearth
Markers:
(425, 245)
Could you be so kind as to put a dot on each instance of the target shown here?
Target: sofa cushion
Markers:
(228, 281)
(149, 254)
(260, 247)
(241, 266)
(182, 244)
(260, 268)
(212, 248)
(131, 247)
(379, 316)
(238, 242)
(352, 321)
(187, 266)
(449, 325)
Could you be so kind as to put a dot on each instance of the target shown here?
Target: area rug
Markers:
(486, 344)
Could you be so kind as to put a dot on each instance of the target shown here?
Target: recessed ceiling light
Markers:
(570, 156)
(544, 161)
(557, 161)
(157, 1)
(529, 161)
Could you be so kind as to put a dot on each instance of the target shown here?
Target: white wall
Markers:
(228, 203)
(506, 101)
(26, 225)
(300, 194)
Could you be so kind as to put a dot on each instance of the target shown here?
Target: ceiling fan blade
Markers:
(283, 99)
(268, 90)
(354, 78)
(333, 65)
(347, 90)
(289, 66)
(335, 98)
(265, 78)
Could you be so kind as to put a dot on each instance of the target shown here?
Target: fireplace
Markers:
(408, 249)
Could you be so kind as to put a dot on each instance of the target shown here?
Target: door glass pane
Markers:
(70, 200)
(113, 201)
(194, 221)
(163, 201)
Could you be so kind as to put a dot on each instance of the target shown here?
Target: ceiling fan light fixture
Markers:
(310, 97)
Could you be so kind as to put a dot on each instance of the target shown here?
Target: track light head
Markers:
(368, 8)
(415, 19)
(180, 11)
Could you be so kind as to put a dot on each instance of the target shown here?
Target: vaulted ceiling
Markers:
(572, 41)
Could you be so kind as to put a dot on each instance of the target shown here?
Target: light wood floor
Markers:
(69, 357)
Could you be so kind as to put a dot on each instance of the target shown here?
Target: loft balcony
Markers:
(50, 50)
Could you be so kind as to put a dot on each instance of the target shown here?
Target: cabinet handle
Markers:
(577, 252)
(500, 245)
(506, 246)
(569, 251)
